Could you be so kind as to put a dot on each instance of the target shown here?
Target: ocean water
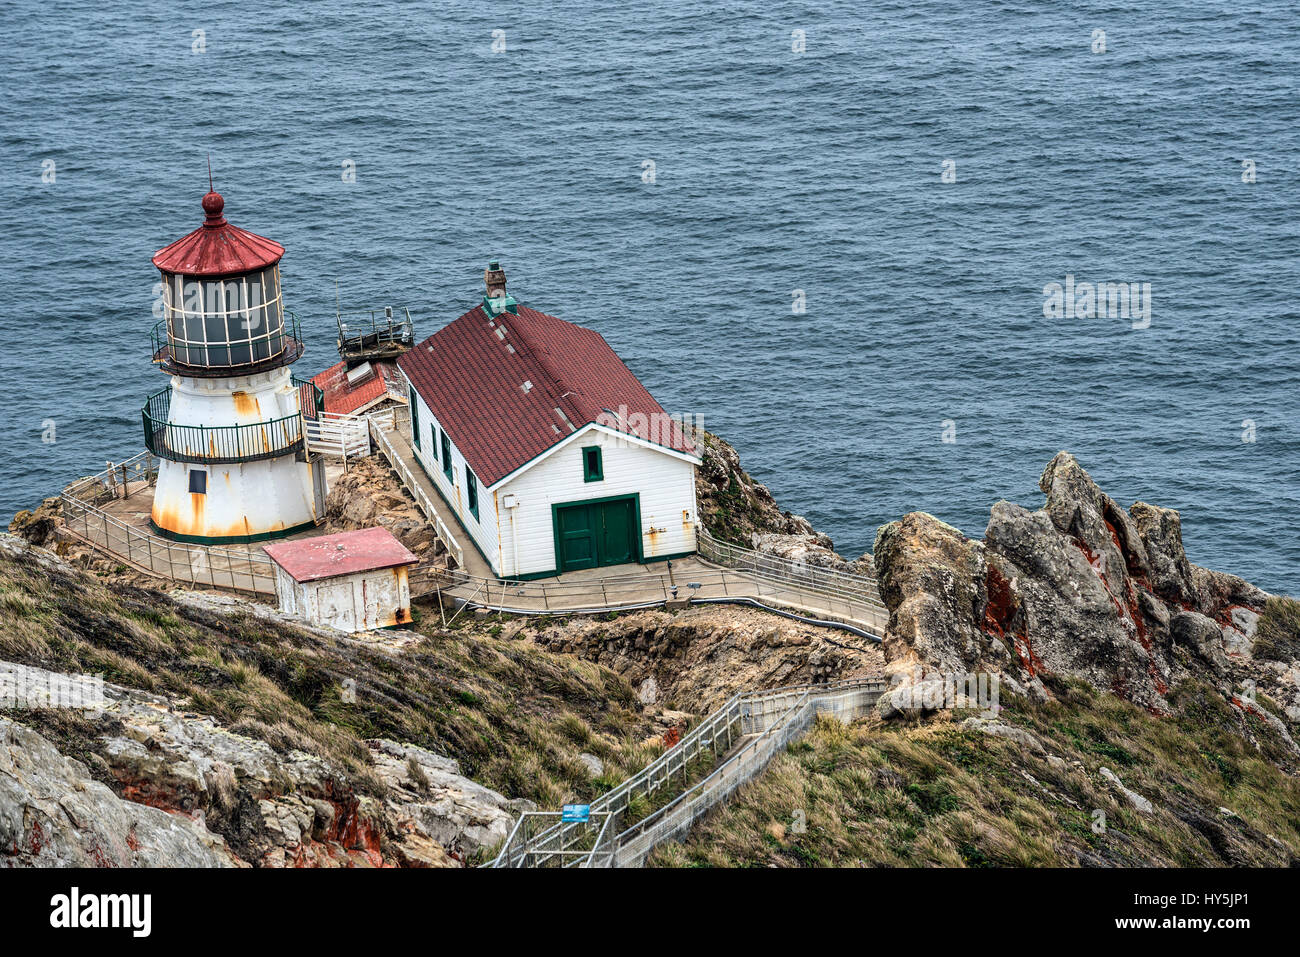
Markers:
(773, 171)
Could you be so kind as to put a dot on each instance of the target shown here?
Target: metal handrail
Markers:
(629, 592)
(651, 820)
(422, 499)
(287, 347)
(636, 842)
(311, 397)
(217, 444)
(245, 570)
(360, 330)
(750, 710)
(770, 570)
(802, 573)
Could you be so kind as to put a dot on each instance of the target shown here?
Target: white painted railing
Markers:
(332, 433)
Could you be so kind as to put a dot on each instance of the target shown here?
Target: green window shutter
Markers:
(415, 418)
(446, 455)
(471, 490)
(593, 469)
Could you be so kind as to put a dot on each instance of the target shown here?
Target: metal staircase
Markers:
(741, 737)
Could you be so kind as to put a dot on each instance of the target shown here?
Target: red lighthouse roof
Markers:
(217, 248)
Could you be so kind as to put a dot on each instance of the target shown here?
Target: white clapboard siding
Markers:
(483, 530)
(664, 482)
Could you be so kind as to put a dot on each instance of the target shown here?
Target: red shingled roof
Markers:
(217, 248)
(346, 399)
(328, 556)
(473, 382)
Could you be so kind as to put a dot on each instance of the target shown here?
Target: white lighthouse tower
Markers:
(229, 428)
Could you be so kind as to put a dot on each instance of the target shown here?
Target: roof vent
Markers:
(360, 373)
(527, 386)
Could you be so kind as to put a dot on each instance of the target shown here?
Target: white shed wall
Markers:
(359, 602)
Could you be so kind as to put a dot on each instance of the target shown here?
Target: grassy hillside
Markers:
(515, 717)
(1222, 785)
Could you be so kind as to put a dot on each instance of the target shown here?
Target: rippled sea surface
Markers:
(774, 171)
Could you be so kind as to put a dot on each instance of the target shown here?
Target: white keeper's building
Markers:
(550, 452)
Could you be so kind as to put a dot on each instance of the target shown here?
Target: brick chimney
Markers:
(496, 300)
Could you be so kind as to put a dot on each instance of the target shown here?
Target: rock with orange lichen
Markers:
(53, 814)
(1079, 588)
(273, 807)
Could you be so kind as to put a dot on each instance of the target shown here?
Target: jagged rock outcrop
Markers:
(39, 526)
(53, 814)
(433, 810)
(1078, 588)
(239, 799)
(932, 579)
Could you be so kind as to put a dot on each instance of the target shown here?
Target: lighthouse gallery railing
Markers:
(216, 445)
(267, 350)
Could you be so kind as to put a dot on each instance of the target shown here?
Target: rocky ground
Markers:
(695, 659)
(369, 494)
(1137, 689)
(1147, 712)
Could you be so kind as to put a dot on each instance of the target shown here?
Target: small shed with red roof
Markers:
(353, 581)
(550, 452)
(363, 388)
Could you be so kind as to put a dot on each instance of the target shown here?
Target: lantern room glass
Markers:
(218, 323)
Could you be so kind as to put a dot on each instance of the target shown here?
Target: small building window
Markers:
(446, 454)
(471, 491)
(198, 482)
(593, 470)
(415, 419)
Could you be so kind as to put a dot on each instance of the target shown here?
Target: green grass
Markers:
(1277, 635)
(931, 794)
(515, 716)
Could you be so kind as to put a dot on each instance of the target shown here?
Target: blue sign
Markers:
(576, 814)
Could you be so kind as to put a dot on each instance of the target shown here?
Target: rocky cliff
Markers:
(1079, 588)
(1147, 716)
(231, 735)
(1136, 686)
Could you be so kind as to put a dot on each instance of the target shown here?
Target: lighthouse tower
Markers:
(229, 429)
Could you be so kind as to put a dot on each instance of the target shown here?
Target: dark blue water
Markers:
(775, 171)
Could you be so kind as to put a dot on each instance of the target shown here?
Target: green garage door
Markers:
(594, 534)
